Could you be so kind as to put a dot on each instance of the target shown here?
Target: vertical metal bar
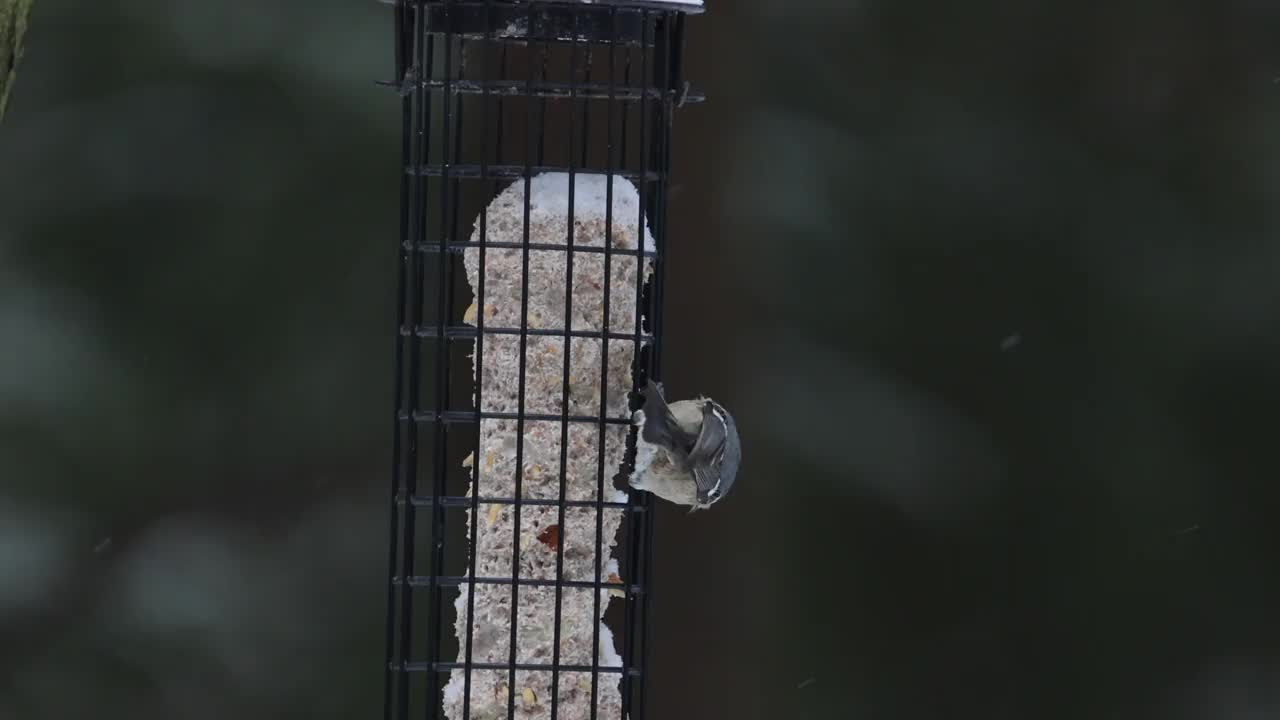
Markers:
(634, 523)
(520, 402)
(479, 362)
(664, 81)
(542, 104)
(586, 111)
(502, 75)
(568, 368)
(444, 311)
(604, 364)
(403, 55)
(626, 105)
(422, 134)
(456, 193)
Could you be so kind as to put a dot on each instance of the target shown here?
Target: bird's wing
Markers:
(660, 426)
(708, 452)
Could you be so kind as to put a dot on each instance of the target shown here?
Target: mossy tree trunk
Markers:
(13, 25)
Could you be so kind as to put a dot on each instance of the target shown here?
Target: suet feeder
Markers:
(534, 181)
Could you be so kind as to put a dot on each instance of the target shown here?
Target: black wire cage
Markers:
(536, 152)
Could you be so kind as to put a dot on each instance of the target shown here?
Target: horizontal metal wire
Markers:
(460, 580)
(509, 172)
(453, 417)
(418, 666)
(513, 24)
(465, 501)
(622, 6)
(555, 90)
(457, 247)
(467, 332)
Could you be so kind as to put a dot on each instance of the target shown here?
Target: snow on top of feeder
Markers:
(549, 196)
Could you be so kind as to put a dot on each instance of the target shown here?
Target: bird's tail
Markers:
(658, 420)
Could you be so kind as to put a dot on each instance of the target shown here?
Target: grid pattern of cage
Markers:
(525, 100)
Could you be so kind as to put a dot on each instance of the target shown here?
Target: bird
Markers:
(687, 452)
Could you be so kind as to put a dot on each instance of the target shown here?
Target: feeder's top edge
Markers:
(689, 7)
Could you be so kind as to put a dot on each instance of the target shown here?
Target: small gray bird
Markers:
(687, 452)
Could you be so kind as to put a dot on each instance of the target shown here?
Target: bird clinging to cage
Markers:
(687, 452)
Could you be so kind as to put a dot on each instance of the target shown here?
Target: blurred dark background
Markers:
(996, 296)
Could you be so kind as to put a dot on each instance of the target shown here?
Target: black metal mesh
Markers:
(497, 93)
